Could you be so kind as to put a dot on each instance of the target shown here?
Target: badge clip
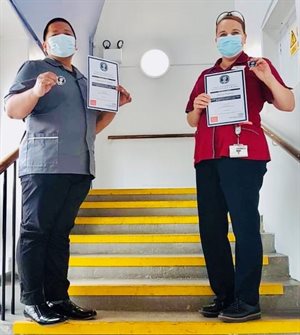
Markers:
(238, 150)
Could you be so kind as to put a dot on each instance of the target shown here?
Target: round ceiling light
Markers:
(155, 63)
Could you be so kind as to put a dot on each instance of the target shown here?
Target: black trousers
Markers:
(231, 185)
(50, 203)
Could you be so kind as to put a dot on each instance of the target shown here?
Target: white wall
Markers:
(281, 191)
(279, 205)
(279, 20)
(185, 30)
(13, 52)
(254, 12)
(280, 194)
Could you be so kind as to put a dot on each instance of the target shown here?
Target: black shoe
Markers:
(239, 311)
(71, 310)
(43, 315)
(213, 310)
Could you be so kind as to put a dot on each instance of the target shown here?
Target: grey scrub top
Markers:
(61, 130)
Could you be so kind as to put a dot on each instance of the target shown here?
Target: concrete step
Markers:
(160, 266)
(139, 197)
(140, 220)
(157, 287)
(140, 204)
(148, 243)
(144, 191)
(136, 211)
(135, 228)
(173, 295)
(138, 208)
(174, 224)
(161, 323)
(140, 224)
(142, 194)
(136, 224)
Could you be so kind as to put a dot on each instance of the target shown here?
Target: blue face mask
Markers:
(230, 45)
(61, 45)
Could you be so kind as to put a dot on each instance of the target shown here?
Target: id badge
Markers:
(238, 150)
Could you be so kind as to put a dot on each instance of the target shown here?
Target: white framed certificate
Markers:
(228, 98)
(103, 80)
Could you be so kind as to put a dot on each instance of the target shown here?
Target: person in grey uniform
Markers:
(56, 167)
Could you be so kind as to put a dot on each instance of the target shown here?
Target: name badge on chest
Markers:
(238, 150)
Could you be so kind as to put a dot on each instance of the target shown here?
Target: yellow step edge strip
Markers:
(131, 327)
(143, 191)
(140, 238)
(140, 204)
(159, 290)
(140, 261)
(119, 220)
(126, 220)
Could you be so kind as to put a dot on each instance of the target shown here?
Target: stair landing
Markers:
(111, 322)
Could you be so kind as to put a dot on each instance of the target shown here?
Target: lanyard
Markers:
(238, 130)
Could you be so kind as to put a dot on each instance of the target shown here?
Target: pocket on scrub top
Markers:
(42, 149)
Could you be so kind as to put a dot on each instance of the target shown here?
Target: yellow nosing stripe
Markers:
(143, 191)
(140, 238)
(140, 261)
(132, 327)
(140, 204)
(119, 220)
(159, 290)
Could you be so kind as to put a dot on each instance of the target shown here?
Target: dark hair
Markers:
(56, 19)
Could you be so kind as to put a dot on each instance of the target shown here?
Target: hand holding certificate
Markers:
(228, 98)
(103, 83)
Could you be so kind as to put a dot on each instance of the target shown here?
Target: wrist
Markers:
(270, 80)
(197, 111)
(35, 94)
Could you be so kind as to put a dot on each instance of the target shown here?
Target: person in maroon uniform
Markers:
(230, 163)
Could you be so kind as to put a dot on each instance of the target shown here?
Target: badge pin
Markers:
(61, 80)
(251, 63)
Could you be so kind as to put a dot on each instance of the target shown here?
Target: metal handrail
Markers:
(5, 164)
(7, 161)
(135, 137)
(284, 144)
(275, 138)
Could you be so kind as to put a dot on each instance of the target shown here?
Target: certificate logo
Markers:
(224, 79)
(103, 66)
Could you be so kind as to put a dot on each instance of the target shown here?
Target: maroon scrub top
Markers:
(214, 142)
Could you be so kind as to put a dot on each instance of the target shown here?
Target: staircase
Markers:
(137, 259)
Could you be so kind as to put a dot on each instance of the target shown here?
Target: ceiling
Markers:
(82, 14)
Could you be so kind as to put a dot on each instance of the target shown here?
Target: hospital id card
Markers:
(238, 151)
